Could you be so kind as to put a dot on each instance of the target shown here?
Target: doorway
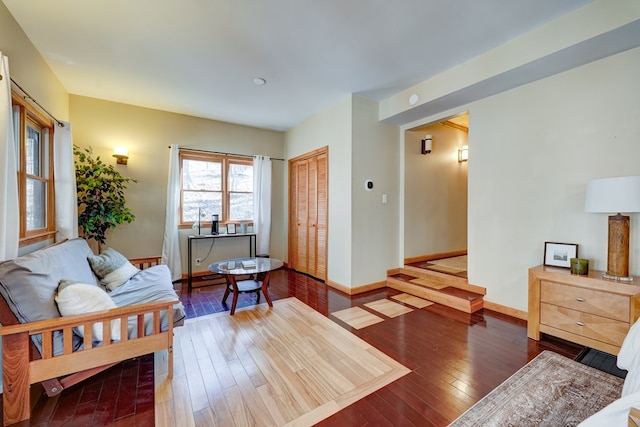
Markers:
(435, 211)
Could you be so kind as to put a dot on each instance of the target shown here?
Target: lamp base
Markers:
(617, 278)
(618, 252)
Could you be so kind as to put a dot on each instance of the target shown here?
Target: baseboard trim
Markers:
(358, 289)
(503, 309)
(431, 257)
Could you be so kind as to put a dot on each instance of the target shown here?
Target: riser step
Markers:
(442, 279)
(449, 296)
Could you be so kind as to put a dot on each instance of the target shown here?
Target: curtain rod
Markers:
(27, 96)
(223, 153)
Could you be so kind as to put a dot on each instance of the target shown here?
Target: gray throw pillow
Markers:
(112, 268)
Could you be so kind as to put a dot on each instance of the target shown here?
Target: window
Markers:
(215, 184)
(34, 158)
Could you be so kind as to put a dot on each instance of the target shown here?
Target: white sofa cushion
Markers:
(149, 285)
(82, 298)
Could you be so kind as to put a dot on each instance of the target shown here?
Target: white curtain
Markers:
(262, 202)
(171, 241)
(65, 173)
(9, 207)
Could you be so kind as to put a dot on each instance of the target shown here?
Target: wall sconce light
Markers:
(463, 153)
(427, 143)
(121, 154)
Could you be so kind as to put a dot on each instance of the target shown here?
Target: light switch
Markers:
(384, 198)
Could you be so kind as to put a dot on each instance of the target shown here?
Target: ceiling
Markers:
(200, 57)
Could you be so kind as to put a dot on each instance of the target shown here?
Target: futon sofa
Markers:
(41, 345)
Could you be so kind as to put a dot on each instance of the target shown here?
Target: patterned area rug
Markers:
(551, 390)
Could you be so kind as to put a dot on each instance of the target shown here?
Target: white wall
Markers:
(376, 156)
(435, 184)
(533, 150)
(331, 127)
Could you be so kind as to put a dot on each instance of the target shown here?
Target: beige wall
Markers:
(363, 241)
(376, 156)
(331, 127)
(435, 206)
(148, 133)
(29, 69)
(533, 150)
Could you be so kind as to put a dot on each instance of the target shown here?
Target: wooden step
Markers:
(451, 293)
(442, 278)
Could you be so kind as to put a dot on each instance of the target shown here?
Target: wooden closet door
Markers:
(312, 220)
(300, 260)
(308, 180)
(322, 214)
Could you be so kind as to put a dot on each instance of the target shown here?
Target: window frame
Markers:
(226, 160)
(29, 116)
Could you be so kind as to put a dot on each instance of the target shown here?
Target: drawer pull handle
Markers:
(579, 323)
(580, 299)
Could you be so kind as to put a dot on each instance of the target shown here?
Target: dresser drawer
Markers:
(591, 301)
(587, 325)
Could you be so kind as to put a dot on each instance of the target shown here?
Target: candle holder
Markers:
(579, 266)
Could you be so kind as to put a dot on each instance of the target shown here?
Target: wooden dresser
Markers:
(587, 310)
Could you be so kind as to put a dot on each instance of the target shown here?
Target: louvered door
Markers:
(308, 180)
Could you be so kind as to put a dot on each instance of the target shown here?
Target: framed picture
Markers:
(231, 229)
(559, 254)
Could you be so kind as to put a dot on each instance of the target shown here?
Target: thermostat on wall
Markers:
(368, 185)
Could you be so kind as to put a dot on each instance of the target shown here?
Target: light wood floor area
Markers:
(286, 366)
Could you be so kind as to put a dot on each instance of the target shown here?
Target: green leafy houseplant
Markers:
(101, 201)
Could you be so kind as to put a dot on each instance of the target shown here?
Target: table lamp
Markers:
(615, 195)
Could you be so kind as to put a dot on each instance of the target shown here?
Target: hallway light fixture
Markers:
(427, 144)
(121, 154)
(463, 153)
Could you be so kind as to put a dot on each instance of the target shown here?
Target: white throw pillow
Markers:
(112, 268)
(82, 298)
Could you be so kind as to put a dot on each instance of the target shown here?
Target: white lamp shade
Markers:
(613, 195)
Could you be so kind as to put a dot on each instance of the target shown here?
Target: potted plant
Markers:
(101, 201)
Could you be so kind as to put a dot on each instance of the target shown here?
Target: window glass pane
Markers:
(241, 206)
(45, 154)
(16, 134)
(36, 204)
(199, 175)
(33, 152)
(240, 177)
(209, 203)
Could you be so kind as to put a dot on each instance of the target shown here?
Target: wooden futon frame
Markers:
(23, 364)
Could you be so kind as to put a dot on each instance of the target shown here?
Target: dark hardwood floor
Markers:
(455, 360)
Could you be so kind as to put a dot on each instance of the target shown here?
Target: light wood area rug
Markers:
(285, 366)
(357, 317)
(551, 390)
(388, 308)
(412, 300)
